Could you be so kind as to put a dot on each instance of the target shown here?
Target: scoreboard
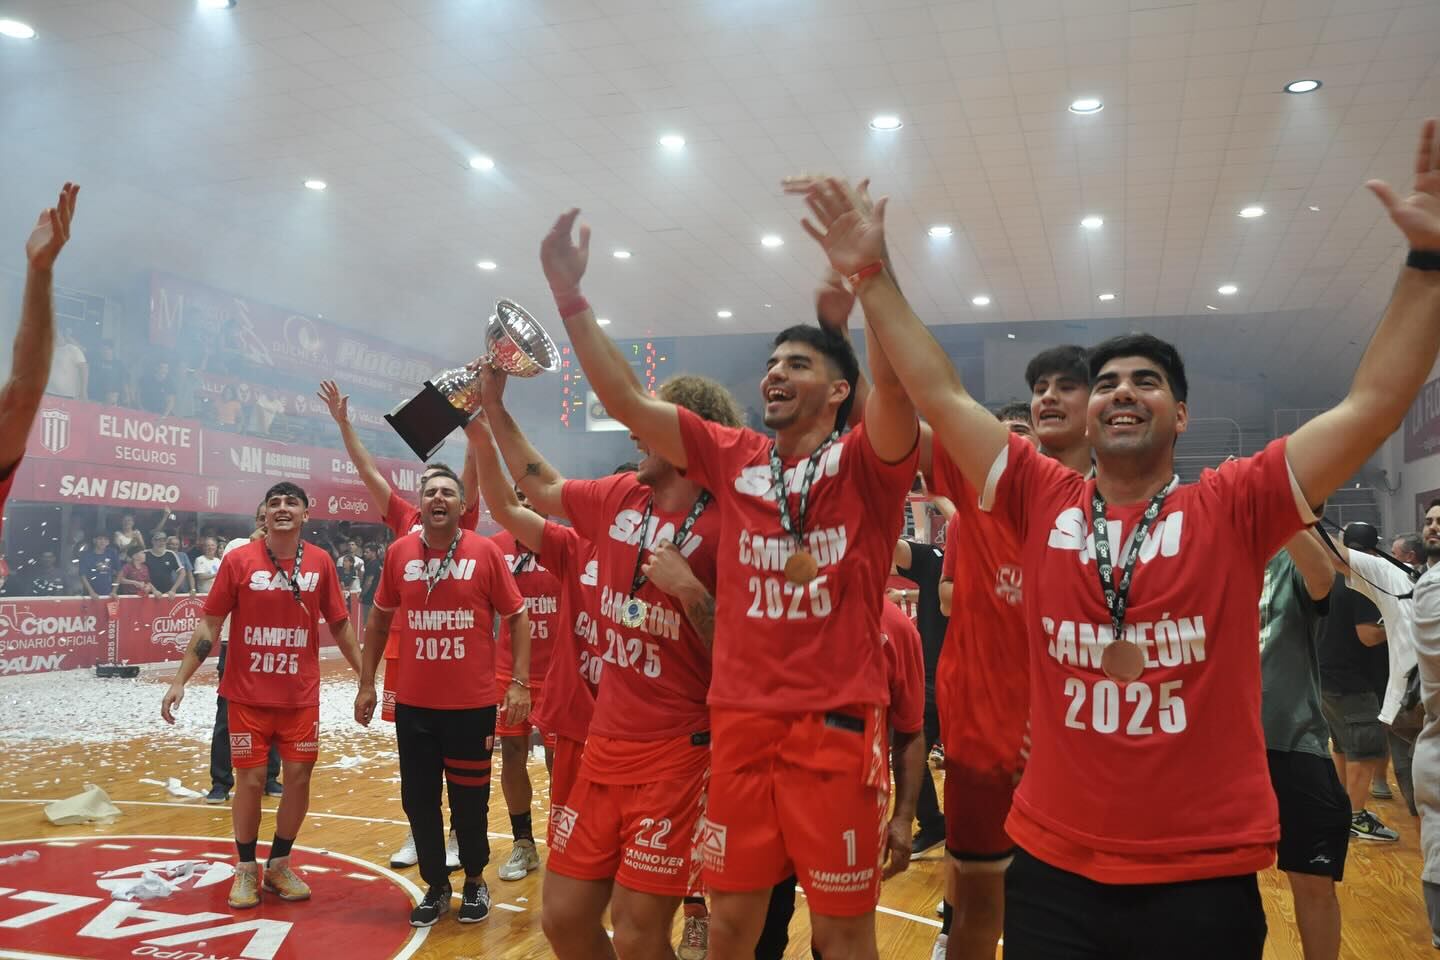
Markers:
(651, 358)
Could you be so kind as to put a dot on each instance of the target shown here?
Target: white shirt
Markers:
(65, 367)
(1399, 618)
(205, 570)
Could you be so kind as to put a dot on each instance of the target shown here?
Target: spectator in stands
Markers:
(187, 569)
(263, 415)
(1408, 548)
(164, 566)
(69, 372)
(98, 566)
(227, 411)
(206, 566)
(45, 579)
(157, 390)
(370, 580)
(127, 535)
(109, 380)
(350, 569)
(70, 558)
(135, 575)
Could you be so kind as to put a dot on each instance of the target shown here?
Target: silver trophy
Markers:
(514, 343)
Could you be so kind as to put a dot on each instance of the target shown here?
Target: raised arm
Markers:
(1312, 559)
(855, 242)
(833, 303)
(1327, 450)
(653, 421)
(35, 340)
(526, 526)
(541, 482)
(339, 406)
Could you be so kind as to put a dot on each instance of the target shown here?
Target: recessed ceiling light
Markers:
(1087, 105)
(771, 240)
(1250, 213)
(980, 301)
(16, 30)
(672, 141)
(1227, 289)
(940, 231)
(724, 314)
(1093, 222)
(1211, 306)
(1314, 209)
(886, 121)
(481, 163)
(1302, 86)
(217, 4)
(1106, 297)
(315, 184)
(1009, 336)
(603, 321)
(622, 254)
(486, 264)
(767, 306)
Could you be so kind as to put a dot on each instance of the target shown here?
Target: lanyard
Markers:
(1117, 595)
(520, 562)
(637, 580)
(431, 579)
(293, 578)
(795, 526)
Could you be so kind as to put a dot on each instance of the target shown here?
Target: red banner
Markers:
(271, 337)
(94, 433)
(1422, 423)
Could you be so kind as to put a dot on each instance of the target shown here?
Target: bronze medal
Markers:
(1123, 661)
(801, 567)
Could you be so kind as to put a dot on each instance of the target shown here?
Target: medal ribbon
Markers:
(431, 580)
(291, 579)
(520, 562)
(795, 526)
(637, 580)
(1117, 595)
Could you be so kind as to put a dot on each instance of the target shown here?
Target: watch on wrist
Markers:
(1423, 259)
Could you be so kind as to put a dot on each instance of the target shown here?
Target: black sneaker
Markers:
(274, 788)
(217, 795)
(435, 905)
(1367, 826)
(474, 902)
(925, 841)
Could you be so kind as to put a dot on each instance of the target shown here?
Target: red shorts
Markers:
(642, 834)
(295, 731)
(975, 810)
(564, 771)
(387, 695)
(523, 728)
(806, 794)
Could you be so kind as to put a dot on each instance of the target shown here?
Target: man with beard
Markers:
(1426, 767)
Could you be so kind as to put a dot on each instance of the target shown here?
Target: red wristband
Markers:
(865, 273)
(570, 304)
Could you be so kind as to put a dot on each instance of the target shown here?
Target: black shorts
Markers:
(1052, 914)
(1314, 814)
(1355, 727)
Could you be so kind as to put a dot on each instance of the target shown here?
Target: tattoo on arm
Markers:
(202, 648)
(532, 469)
(702, 617)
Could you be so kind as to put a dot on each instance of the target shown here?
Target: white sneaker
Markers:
(695, 940)
(523, 859)
(406, 855)
(938, 953)
(452, 852)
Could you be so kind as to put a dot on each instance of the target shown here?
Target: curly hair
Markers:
(704, 397)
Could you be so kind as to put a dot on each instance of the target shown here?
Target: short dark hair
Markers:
(287, 489)
(1014, 410)
(1067, 361)
(629, 466)
(1142, 345)
(440, 470)
(835, 348)
(440, 465)
(1432, 504)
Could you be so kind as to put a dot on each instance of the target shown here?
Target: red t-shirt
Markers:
(655, 675)
(896, 582)
(782, 647)
(575, 663)
(541, 591)
(447, 649)
(982, 679)
(904, 668)
(274, 658)
(403, 517)
(1163, 779)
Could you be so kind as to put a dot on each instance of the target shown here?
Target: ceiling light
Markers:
(1302, 86)
(940, 231)
(1211, 306)
(486, 264)
(603, 321)
(1106, 297)
(771, 240)
(1250, 213)
(980, 301)
(1093, 222)
(1227, 289)
(217, 4)
(622, 254)
(481, 163)
(672, 141)
(16, 30)
(1314, 209)
(724, 314)
(886, 121)
(315, 184)
(1087, 105)
(1009, 336)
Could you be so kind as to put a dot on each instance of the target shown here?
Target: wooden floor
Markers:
(357, 811)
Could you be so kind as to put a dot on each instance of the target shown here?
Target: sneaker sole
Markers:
(519, 876)
(474, 919)
(243, 906)
(288, 898)
(402, 864)
(1366, 836)
(919, 852)
(216, 801)
(420, 924)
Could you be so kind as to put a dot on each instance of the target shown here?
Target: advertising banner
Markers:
(1422, 423)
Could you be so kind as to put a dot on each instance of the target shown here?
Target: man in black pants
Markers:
(442, 587)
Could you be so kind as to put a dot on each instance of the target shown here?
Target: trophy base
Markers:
(425, 420)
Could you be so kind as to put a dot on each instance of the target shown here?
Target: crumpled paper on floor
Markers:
(175, 788)
(88, 806)
(148, 887)
(26, 857)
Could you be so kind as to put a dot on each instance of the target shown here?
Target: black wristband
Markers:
(1423, 259)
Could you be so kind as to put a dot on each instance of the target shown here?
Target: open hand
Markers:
(337, 403)
(852, 236)
(561, 258)
(1418, 215)
(51, 230)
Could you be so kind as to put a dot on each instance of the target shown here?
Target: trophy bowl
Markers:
(517, 344)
